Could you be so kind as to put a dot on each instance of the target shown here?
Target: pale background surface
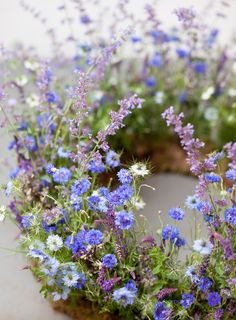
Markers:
(20, 298)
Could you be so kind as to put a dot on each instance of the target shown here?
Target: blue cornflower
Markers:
(104, 191)
(51, 97)
(94, 237)
(192, 202)
(77, 243)
(179, 241)
(76, 202)
(204, 207)
(176, 213)
(156, 60)
(230, 215)
(50, 168)
(62, 175)
(169, 231)
(80, 187)
(62, 153)
(93, 202)
(125, 176)
(204, 284)
(161, 312)
(200, 67)
(96, 166)
(130, 285)
(124, 296)
(213, 299)
(181, 53)
(120, 195)
(109, 261)
(112, 159)
(230, 174)
(151, 82)
(212, 178)
(124, 220)
(187, 300)
(30, 143)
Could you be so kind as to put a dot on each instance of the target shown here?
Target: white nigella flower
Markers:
(138, 203)
(32, 100)
(97, 96)
(159, 97)
(2, 213)
(21, 81)
(204, 247)
(232, 92)
(139, 169)
(191, 273)
(33, 66)
(211, 114)
(70, 278)
(54, 242)
(208, 93)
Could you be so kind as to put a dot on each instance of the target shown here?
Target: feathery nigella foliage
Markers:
(76, 203)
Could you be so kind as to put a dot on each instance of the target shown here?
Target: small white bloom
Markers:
(2, 213)
(21, 81)
(211, 114)
(33, 66)
(54, 242)
(159, 97)
(138, 203)
(97, 95)
(139, 169)
(208, 93)
(11, 102)
(232, 92)
(33, 100)
(204, 247)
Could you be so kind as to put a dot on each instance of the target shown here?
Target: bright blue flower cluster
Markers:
(187, 300)
(176, 213)
(62, 175)
(109, 261)
(213, 299)
(124, 220)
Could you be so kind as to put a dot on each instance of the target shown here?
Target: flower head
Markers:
(161, 312)
(62, 175)
(125, 176)
(230, 215)
(80, 187)
(112, 159)
(109, 261)
(124, 296)
(204, 284)
(204, 247)
(94, 237)
(54, 242)
(139, 170)
(187, 300)
(124, 220)
(176, 213)
(213, 299)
